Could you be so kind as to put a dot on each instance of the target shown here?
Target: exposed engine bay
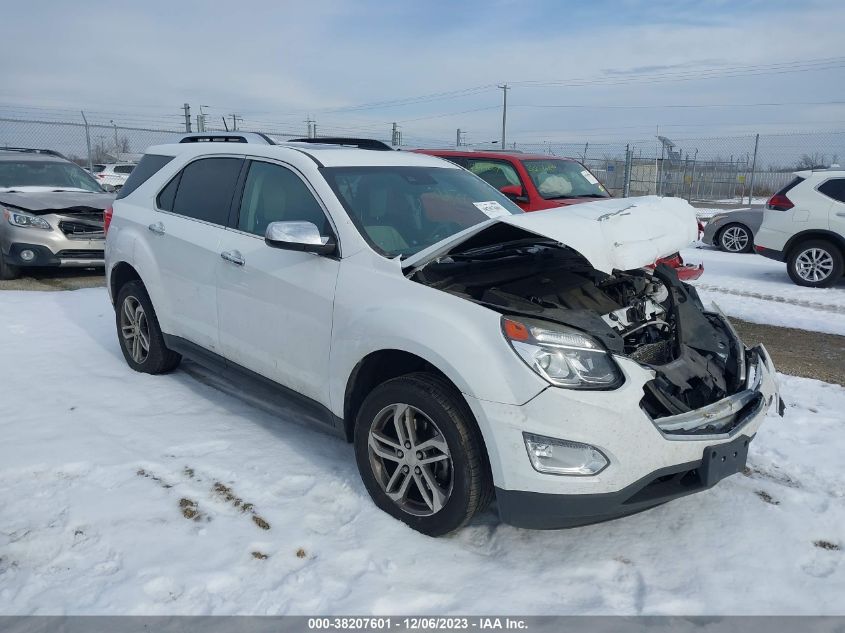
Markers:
(653, 319)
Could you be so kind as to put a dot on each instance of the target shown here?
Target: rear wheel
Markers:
(420, 454)
(736, 238)
(7, 271)
(139, 334)
(815, 263)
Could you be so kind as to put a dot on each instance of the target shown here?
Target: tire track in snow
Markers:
(824, 307)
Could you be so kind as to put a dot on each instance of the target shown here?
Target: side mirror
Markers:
(108, 188)
(514, 192)
(299, 236)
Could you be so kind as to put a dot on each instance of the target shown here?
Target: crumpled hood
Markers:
(613, 234)
(40, 200)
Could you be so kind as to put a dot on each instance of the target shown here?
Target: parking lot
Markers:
(173, 494)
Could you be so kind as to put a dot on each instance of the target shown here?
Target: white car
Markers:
(468, 349)
(804, 226)
(114, 174)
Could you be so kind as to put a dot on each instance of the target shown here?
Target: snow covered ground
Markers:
(126, 493)
(757, 289)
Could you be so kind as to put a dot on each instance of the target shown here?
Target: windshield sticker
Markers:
(590, 178)
(492, 209)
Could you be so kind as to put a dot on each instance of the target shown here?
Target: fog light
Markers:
(27, 255)
(562, 457)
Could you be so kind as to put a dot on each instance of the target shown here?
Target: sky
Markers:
(579, 71)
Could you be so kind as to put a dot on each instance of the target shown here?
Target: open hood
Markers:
(612, 234)
(39, 200)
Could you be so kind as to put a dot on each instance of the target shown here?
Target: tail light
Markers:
(107, 219)
(779, 202)
(700, 229)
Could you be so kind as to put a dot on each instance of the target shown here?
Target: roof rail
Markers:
(360, 143)
(32, 150)
(226, 137)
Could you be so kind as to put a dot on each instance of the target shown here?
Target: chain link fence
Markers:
(716, 170)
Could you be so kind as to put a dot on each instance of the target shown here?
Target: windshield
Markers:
(557, 179)
(402, 210)
(42, 173)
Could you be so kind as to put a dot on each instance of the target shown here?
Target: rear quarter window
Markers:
(143, 171)
(834, 188)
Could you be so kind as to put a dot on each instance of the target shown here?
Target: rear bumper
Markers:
(538, 511)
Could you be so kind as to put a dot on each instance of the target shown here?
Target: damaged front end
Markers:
(705, 381)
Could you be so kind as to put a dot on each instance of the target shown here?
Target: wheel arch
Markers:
(121, 274)
(378, 367)
(814, 234)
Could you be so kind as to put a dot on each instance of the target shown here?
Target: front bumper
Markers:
(549, 511)
(689, 272)
(648, 465)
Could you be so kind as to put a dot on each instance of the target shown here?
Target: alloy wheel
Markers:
(814, 265)
(735, 239)
(410, 459)
(135, 329)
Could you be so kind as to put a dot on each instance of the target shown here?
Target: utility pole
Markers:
(201, 119)
(505, 89)
(187, 109)
(235, 119)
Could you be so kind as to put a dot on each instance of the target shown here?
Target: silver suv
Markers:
(52, 212)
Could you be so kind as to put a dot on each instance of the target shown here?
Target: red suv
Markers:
(538, 181)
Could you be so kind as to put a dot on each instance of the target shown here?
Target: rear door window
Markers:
(834, 188)
(206, 188)
(124, 169)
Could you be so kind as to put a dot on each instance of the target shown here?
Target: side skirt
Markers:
(257, 390)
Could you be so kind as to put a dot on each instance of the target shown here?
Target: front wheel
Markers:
(420, 454)
(815, 263)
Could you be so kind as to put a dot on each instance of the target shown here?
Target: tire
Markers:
(7, 271)
(815, 264)
(440, 418)
(132, 299)
(736, 238)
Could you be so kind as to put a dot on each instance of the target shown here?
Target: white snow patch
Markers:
(96, 460)
(751, 287)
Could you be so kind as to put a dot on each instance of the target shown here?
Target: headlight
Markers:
(25, 220)
(563, 356)
(562, 457)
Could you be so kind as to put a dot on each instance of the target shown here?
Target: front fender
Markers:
(377, 308)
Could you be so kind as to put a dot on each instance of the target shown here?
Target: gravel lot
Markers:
(796, 352)
(53, 279)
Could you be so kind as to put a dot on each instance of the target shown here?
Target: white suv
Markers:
(804, 226)
(114, 174)
(468, 349)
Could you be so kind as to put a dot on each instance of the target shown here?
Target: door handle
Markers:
(841, 214)
(234, 257)
(157, 228)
